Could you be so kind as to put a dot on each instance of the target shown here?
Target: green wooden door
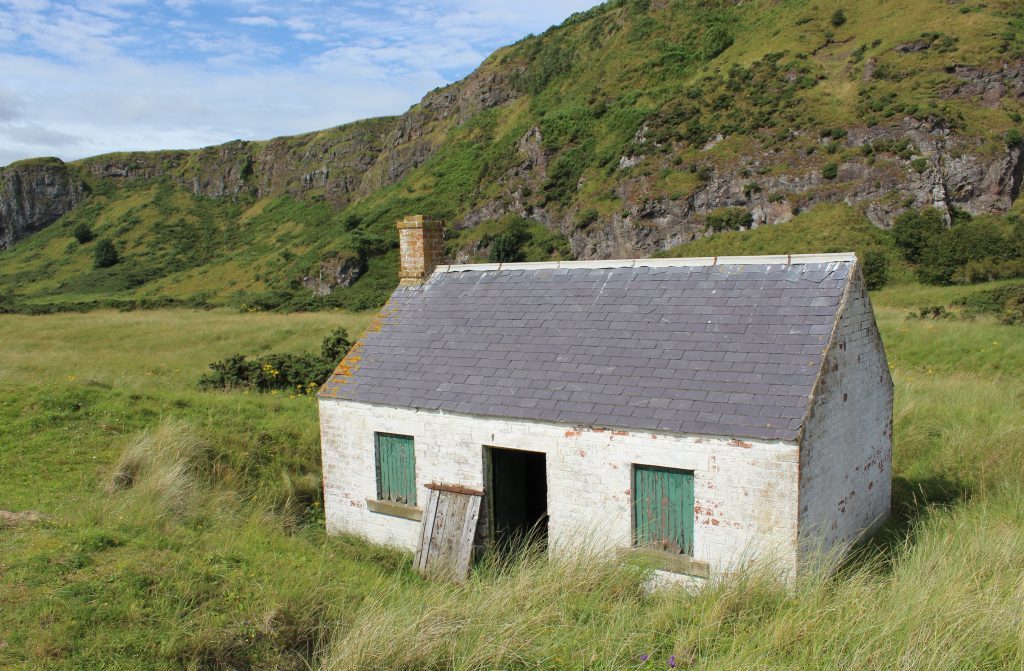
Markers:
(396, 468)
(663, 508)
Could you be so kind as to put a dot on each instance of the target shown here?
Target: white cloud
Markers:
(90, 76)
(263, 21)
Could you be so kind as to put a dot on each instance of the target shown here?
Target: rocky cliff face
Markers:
(33, 195)
(934, 168)
(328, 164)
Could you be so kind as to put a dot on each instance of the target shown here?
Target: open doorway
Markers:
(517, 501)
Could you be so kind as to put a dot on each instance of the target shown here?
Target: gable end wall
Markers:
(846, 450)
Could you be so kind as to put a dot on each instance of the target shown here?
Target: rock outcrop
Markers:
(33, 195)
(337, 271)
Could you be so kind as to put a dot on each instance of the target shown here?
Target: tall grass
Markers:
(185, 532)
(950, 599)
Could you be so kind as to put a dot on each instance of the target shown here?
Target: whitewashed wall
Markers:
(745, 491)
(846, 453)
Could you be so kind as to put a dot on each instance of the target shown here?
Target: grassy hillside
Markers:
(215, 556)
(627, 116)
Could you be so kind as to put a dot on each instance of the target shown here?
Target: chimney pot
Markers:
(421, 244)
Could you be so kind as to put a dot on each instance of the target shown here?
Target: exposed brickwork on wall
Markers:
(746, 497)
(846, 453)
(421, 245)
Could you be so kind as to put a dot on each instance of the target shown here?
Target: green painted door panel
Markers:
(396, 468)
(663, 508)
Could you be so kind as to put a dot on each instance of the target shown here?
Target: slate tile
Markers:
(516, 341)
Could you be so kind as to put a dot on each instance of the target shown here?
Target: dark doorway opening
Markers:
(518, 498)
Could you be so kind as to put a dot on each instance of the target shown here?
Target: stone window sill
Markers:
(673, 563)
(395, 509)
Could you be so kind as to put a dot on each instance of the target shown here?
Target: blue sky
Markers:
(82, 77)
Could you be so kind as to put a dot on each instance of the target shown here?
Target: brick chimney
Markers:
(421, 243)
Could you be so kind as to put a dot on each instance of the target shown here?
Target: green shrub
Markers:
(838, 18)
(506, 248)
(830, 171)
(989, 270)
(1006, 303)
(728, 219)
(1014, 138)
(564, 174)
(83, 233)
(335, 345)
(715, 40)
(105, 254)
(296, 373)
(931, 312)
(950, 252)
(586, 219)
(919, 164)
(914, 230)
(875, 269)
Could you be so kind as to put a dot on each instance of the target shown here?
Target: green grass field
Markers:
(215, 557)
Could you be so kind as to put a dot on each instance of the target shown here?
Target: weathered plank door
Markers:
(447, 532)
(663, 508)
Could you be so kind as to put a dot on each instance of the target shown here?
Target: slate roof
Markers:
(730, 349)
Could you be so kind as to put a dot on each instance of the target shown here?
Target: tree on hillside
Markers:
(914, 230)
(106, 254)
(875, 269)
(83, 233)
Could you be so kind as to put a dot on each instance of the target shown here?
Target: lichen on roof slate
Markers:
(727, 350)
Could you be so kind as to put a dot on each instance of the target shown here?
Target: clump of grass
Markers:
(528, 613)
(158, 464)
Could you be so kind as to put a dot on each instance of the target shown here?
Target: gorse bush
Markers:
(336, 345)
(1006, 303)
(300, 374)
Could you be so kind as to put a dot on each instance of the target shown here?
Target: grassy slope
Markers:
(589, 85)
(223, 563)
(827, 228)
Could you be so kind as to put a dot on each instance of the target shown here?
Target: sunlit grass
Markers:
(184, 527)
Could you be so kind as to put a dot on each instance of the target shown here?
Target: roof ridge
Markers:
(780, 259)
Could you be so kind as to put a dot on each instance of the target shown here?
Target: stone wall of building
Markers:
(846, 452)
(745, 491)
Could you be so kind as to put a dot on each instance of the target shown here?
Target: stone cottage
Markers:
(705, 411)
